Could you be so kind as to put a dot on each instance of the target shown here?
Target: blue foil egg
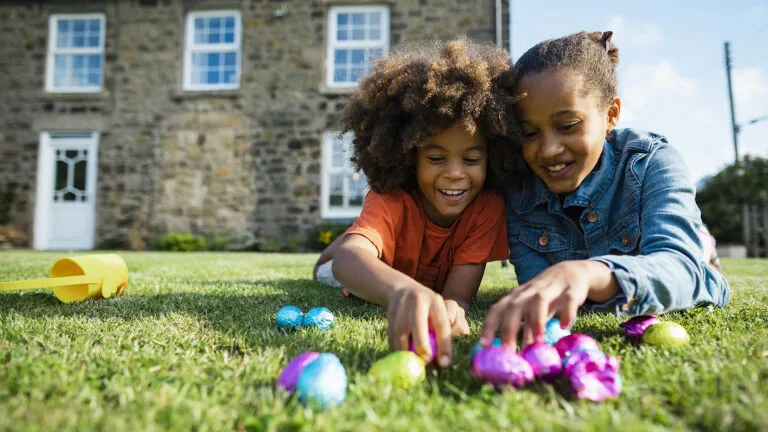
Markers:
(319, 317)
(553, 332)
(323, 382)
(478, 348)
(289, 317)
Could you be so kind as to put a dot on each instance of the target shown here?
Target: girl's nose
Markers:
(549, 145)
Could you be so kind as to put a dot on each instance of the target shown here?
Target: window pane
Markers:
(212, 77)
(340, 58)
(61, 175)
(358, 57)
(229, 37)
(336, 190)
(358, 187)
(342, 19)
(69, 196)
(63, 26)
(94, 26)
(342, 35)
(79, 26)
(94, 79)
(78, 62)
(374, 18)
(229, 59)
(230, 76)
(214, 24)
(214, 38)
(374, 33)
(358, 18)
(338, 154)
(358, 33)
(94, 61)
(79, 40)
(79, 180)
(356, 73)
(199, 23)
(213, 59)
(340, 75)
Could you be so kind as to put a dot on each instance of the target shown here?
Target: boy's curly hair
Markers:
(419, 89)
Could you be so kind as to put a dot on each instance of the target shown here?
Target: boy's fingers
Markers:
(420, 328)
(442, 329)
(397, 329)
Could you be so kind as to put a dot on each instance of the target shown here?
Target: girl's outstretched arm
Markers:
(412, 308)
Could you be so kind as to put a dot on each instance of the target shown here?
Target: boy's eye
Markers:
(473, 161)
(435, 159)
(529, 134)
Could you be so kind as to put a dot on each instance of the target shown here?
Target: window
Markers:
(343, 190)
(212, 51)
(75, 53)
(356, 36)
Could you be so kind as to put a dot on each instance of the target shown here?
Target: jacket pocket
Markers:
(624, 237)
(549, 243)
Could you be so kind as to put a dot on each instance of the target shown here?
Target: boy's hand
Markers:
(561, 288)
(411, 311)
(457, 316)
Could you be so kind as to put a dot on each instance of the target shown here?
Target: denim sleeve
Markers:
(670, 272)
(527, 261)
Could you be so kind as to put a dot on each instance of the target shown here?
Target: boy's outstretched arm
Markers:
(412, 308)
(460, 288)
(327, 254)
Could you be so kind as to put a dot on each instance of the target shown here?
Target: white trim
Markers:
(326, 211)
(53, 26)
(333, 44)
(190, 46)
(45, 182)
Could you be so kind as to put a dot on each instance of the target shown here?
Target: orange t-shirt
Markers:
(409, 242)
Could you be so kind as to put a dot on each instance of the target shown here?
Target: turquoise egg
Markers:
(323, 382)
(319, 317)
(553, 332)
(289, 317)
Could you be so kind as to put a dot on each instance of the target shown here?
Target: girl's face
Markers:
(450, 172)
(564, 127)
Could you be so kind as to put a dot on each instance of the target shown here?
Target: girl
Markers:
(602, 218)
(426, 122)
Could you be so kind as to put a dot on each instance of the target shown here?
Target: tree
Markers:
(722, 197)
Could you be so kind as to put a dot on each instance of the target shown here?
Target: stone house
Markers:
(125, 120)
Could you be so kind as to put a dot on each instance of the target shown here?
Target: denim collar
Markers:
(535, 192)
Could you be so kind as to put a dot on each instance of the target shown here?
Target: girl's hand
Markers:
(561, 288)
(457, 316)
(411, 311)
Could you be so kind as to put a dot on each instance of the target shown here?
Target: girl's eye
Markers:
(569, 127)
(473, 161)
(435, 159)
(529, 135)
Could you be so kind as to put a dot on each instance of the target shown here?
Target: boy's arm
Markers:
(327, 254)
(462, 284)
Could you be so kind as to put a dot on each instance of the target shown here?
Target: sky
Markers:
(672, 77)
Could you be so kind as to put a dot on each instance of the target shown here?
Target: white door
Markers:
(66, 191)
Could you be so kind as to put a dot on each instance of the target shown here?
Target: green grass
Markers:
(193, 345)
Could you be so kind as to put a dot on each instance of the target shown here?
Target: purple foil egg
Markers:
(432, 345)
(636, 326)
(593, 375)
(290, 375)
(544, 360)
(575, 342)
(501, 366)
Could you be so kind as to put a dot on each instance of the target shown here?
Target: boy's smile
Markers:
(565, 126)
(450, 172)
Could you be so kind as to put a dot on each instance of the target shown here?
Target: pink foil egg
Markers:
(501, 366)
(544, 360)
(636, 326)
(290, 375)
(593, 375)
(432, 345)
(575, 342)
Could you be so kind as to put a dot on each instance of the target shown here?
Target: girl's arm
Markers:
(670, 272)
(411, 307)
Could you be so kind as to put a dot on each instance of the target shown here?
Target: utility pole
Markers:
(734, 126)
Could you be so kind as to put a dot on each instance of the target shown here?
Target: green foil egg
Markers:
(400, 369)
(666, 334)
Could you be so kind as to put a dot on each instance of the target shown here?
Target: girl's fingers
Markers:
(538, 311)
(441, 326)
(511, 326)
(528, 337)
(492, 321)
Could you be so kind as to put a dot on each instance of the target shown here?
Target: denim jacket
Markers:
(636, 213)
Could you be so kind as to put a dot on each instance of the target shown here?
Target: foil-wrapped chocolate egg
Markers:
(290, 375)
(289, 317)
(501, 366)
(544, 360)
(323, 382)
(432, 346)
(666, 334)
(319, 317)
(593, 375)
(575, 342)
(553, 332)
(636, 326)
(400, 369)
(496, 342)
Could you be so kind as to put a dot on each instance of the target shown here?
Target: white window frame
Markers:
(190, 47)
(53, 50)
(346, 211)
(333, 44)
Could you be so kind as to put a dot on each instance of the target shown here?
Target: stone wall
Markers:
(243, 160)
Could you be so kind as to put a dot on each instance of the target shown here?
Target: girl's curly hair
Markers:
(419, 89)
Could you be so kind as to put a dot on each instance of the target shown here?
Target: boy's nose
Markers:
(455, 170)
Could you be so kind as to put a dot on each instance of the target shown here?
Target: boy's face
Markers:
(564, 127)
(450, 172)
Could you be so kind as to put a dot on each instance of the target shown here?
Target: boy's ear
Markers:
(614, 112)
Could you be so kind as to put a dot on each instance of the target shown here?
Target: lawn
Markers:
(193, 345)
